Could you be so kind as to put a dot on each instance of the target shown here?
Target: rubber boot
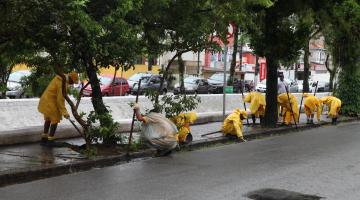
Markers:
(307, 121)
(51, 139)
(253, 119)
(334, 120)
(189, 138)
(311, 121)
(261, 120)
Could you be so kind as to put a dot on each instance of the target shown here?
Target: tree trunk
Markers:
(271, 113)
(96, 95)
(331, 81)
(116, 68)
(306, 67)
(165, 77)
(181, 74)
(150, 63)
(332, 73)
(4, 77)
(233, 61)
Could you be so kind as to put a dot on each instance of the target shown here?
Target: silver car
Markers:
(261, 86)
(14, 87)
(134, 79)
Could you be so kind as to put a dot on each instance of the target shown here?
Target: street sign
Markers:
(262, 71)
(229, 89)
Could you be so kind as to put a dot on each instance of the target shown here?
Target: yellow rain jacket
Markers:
(232, 124)
(283, 101)
(257, 103)
(182, 122)
(311, 105)
(52, 102)
(334, 105)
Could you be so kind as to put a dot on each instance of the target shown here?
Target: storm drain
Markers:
(277, 194)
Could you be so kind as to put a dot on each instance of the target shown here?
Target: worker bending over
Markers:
(334, 105)
(233, 124)
(290, 108)
(311, 105)
(52, 106)
(257, 105)
(182, 122)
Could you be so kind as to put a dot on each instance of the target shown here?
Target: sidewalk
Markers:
(22, 163)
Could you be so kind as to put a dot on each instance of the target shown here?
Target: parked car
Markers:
(216, 82)
(132, 80)
(322, 86)
(14, 87)
(120, 87)
(261, 86)
(150, 83)
(193, 85)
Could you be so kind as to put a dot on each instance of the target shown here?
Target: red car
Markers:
(119, 88)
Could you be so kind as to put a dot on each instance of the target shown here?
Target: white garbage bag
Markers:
(159, 131)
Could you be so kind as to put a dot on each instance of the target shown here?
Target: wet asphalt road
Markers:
(323, 162)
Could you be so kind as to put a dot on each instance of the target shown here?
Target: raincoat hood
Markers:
(241, 113)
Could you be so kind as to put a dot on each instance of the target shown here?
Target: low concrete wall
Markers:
(21, 122)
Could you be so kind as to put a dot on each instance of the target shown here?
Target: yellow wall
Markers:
(110, 70)
(131, 71)
(19, 67)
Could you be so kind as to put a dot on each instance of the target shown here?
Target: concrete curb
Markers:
(31, 174)
(26, 175)
(32, 134)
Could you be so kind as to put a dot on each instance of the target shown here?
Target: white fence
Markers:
(20, 119)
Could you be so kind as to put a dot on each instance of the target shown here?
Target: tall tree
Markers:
(340, 22)
(344, 18)
(176, 26)
(276, 35)
(15, 47)
(87, 35)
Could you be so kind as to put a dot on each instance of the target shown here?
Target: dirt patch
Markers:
(106, 150)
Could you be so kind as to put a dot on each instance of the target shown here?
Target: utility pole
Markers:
(198, 64)
(224, 95)
(257, 69)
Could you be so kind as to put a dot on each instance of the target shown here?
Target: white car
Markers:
(261, 86)
(322, 87)
(14, 88)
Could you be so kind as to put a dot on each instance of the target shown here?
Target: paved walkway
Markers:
(29, 156)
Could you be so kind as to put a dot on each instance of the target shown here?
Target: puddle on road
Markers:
(277, 194)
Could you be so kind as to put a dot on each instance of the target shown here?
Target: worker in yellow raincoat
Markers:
(311, 105)
(288, 107)
(257, 105)
(52, 106)
(334, 105)
(233, 124)
(182, 122)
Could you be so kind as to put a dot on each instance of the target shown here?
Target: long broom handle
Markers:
(317, 82)
(292, 112)
(302, 97)
(133, 118)
(242, 93)
(77, 128)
